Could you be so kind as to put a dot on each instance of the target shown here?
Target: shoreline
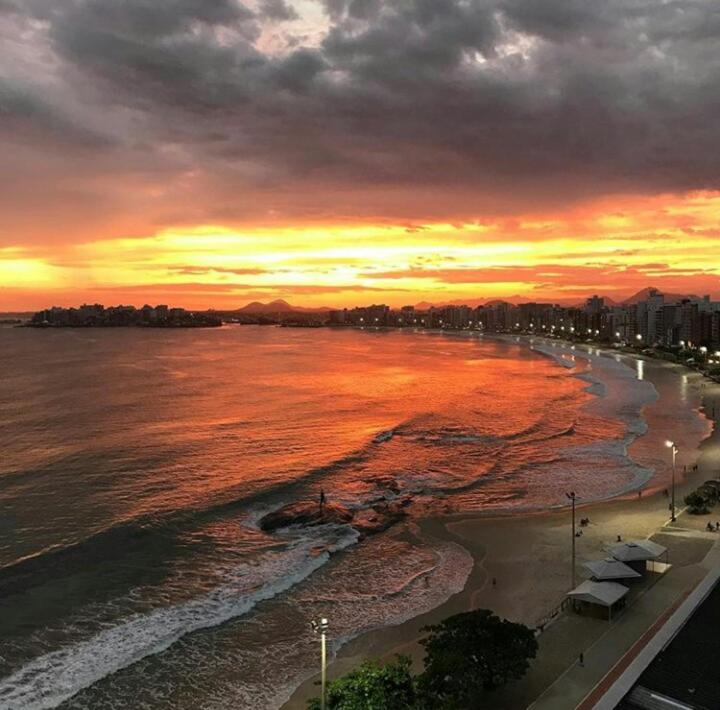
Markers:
(498, 541)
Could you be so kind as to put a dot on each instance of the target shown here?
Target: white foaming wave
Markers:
(620, 393)
(411, 598)
(52, 678)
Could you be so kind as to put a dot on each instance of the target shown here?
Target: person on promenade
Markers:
(581, 659)
(619, 538)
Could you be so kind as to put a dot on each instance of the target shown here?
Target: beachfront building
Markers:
(636, 554)
(651, 319)
(609, 570)
(593, 597)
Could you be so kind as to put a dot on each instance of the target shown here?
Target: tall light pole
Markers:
(674, 449)
(321, 627)
(573, 498)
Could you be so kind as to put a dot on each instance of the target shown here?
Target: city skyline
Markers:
(334, 152)
(650, 319)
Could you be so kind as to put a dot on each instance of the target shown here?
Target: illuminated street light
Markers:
(321, 627)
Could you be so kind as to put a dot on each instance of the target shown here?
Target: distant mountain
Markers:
(496, 302)
(277, 306)
(512, 300)
(646, 292)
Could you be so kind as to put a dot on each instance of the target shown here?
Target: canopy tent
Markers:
(610, 569)
(600, 593)
(637, 551)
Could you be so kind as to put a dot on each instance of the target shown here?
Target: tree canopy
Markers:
(466, 655)
(473, 652)
(372, 686)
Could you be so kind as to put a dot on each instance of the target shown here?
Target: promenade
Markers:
(608, 654)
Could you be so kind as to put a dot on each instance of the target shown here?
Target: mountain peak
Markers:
(276, 306)
(645, 293)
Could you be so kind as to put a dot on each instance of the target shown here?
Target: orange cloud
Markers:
(611, 246)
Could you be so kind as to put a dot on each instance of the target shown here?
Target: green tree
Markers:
(372, 686)
(470, 653)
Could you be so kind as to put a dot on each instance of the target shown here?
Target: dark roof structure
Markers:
(686, 673)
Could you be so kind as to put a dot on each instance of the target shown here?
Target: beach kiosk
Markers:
(637, 554)
(610, 569)
(598, 595)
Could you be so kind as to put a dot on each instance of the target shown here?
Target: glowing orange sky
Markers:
(614, 247)
(340, 152)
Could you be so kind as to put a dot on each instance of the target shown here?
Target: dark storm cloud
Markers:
(511, 98)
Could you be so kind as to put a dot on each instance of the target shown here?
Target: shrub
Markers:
(696, 503)
(372, 686)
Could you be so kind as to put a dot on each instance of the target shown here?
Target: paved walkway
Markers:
(615, 649)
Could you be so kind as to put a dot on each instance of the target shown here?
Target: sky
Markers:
(345, 152)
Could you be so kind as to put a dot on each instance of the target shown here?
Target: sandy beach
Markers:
(529, 555)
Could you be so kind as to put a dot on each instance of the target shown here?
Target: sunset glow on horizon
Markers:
(670, 242)
(337, 152)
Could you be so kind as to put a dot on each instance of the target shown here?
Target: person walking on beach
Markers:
(581, 660)
(322, 500)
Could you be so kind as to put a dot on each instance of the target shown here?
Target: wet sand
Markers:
(529, 555)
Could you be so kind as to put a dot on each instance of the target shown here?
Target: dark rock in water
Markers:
(367, 522)
(380, 517)
(305, 513)
(388, 483)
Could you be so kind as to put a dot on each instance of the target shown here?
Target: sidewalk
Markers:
(615, 649)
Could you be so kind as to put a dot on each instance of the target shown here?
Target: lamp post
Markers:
(674, 449)
(321, 627)
(573, 498)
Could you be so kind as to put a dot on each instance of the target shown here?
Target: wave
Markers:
(52, 678)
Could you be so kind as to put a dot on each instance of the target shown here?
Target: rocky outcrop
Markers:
(305, 513)
(387, 483)
(380, 517)
(367, 522)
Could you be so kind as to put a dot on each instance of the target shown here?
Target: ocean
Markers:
(137, 463)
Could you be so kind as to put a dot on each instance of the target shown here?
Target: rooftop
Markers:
(686, 673)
